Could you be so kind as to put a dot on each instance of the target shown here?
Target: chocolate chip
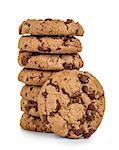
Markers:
(48, 19)
(45, 119)
(76, 100)
(69, 21)
(74, 67)
(35, 62)
(27, 79)
(76, 94)
(77, 31)
(91, 107)
(92, 95)
(31, 88)
(87, 135)
(76, 97)
(32, 103)
(27, 108)
(58, 48)
(45, 94)
(85, 89)
(90, 115)
(82, 120)
(52, 113)
(24, 60)
(65, 42)
(83, 79)
(46, 49)
(42, 74)
(67, 66)
(25, 45)
(78, 132)
(26, 94)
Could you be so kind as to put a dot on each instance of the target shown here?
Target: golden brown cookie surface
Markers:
(51, 27)
(72, 103)
(50, 45)
(49, 62)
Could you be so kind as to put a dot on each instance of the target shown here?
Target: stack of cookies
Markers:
(57, 97)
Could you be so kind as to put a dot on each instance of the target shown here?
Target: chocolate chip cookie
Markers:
(29, 107)
(49, 62)
(50, 45)
(72, 103)
(30, 92)
(51, 27)
(34, 77)
(31, 123)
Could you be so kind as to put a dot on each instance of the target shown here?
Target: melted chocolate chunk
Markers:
(65, 41)
(78, 132)
(45, 94)
(76, 98)
(87, 135)
(82, 120)
(68, 66)
(92, 95)
(24, 60)
(83, 79)
(91, 107)
(85, 89)
(69, 21)
(90, 115)
(27, 108)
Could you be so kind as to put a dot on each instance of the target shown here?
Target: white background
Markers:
(100, 19)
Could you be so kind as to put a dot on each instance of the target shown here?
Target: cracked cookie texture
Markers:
(49, 62)
(51, 27)
(72, 102)
(28, 122)
(50, 45)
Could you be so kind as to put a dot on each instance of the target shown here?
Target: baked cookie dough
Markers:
(29, 107)
(51, 27)
(34, 77)
(72, 103)
(30, 92)
(50, 45)
(49, 62)
(31, 123)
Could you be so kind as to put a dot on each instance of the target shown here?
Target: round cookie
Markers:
(72, 103)
(51, 27)
(49, 62)
(50, 45)
(28, 122)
